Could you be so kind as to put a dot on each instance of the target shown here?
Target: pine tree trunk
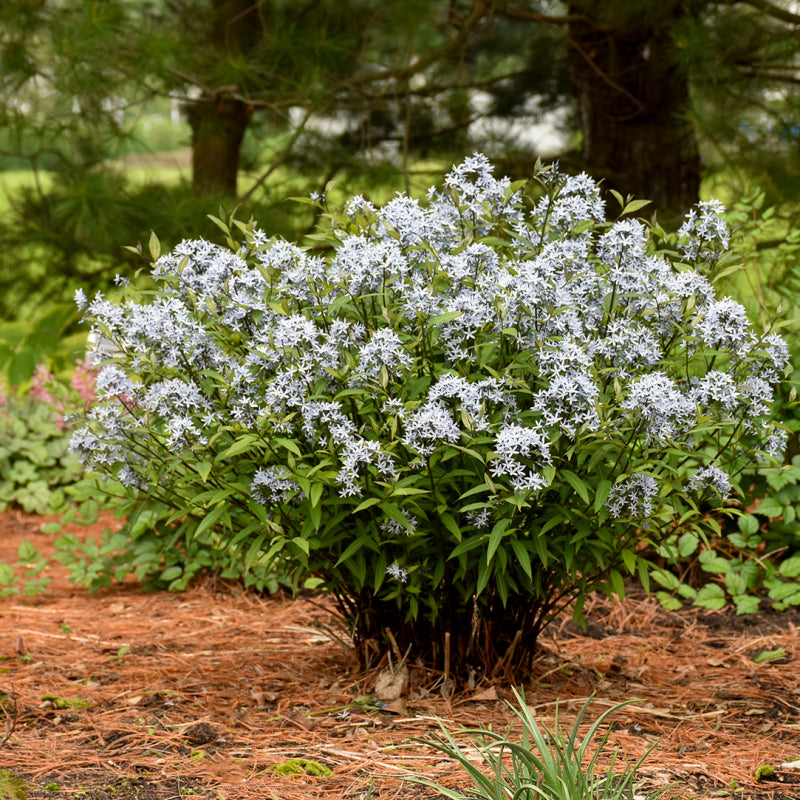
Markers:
(633, 100)
(218, 126)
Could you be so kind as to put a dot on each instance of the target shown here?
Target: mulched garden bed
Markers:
(123, 694)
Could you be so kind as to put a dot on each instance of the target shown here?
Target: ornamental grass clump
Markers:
(453, 415)
(542, 764)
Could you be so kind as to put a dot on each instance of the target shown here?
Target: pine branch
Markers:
(278, 160)
(772, 10)
(514, 12)
(466, 25)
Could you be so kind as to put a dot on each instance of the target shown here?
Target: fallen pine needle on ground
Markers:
(224, 693)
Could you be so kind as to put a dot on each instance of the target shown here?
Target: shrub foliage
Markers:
(454, 415)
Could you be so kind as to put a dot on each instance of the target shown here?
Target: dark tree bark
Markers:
(218, 127)
(219, 119)
(633, 99)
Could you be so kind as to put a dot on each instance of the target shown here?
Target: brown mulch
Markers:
(131, 695)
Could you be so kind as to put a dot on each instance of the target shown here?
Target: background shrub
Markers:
(35, 460)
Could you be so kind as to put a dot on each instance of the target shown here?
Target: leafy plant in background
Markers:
(38, 473)
(544, 764)
(457, 416)
(11, 787)
(755, 561)
(754, 564)
(35, 460)
(46, 338)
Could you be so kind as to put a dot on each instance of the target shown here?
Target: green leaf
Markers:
(450, 524)
(448, 316)
(495, 537)
(51, 527)
(601, 495)
(466, 545)
(790, 567)
(289, 445)
(243, 443)
(357, 544)
(26, 552)
(302, 543)
(170, 573)
(392, 510)
(203, 469)
(398, 491)
(715, 564)
(665, 579)
(766, 656)
(154, 246)
(669, 602)
(6, 574)
(210, 520)
(748, 524)
(634, 206)
(523, 557)
(769, 507)
(629, 559)
(484, 573)
(577, 484)
(687, 544)
(710, 596)
(316, 494)
(747, 604)
(370, 501)
(617, 583)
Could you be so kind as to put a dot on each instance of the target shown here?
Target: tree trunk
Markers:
(633, 99)
(218, 126)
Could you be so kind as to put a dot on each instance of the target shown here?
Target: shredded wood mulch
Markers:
(156, 696)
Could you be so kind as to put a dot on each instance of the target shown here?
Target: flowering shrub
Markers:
(455, 415)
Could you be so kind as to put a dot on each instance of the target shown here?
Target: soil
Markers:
(123, 694)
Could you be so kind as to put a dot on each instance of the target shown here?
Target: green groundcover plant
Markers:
(453, 415)
(36, 464)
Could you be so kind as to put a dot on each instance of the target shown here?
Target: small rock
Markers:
(200, 733)
(390, 685)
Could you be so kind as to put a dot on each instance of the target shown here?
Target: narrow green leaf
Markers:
(370, 501)
(495, 537)
(576, 483)
(448, 316)
(315, 494)
(523, 557)
(617, 584)
(209, 520)
(450, 524)
(601, 494)
(154, 246)
(392, 510)
(635, 205)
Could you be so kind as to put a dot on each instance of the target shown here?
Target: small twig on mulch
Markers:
(10, 713)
